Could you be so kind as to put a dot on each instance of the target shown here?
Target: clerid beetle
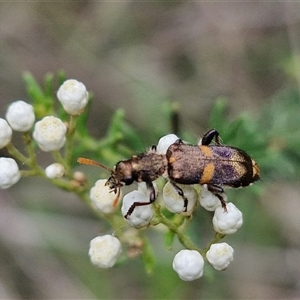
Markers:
(216, 166)
(213, 165)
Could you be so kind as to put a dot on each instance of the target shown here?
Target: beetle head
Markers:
(114, 182)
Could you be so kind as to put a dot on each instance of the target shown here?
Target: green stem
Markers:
(14, 152)
(30, 150)
(183, 238)
(29, 173)
(218, 236)
(69, 142)
(59, 159)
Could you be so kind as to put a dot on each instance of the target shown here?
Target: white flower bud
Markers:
(220, 255)
(5, 133)
(20, 116)
(50, 133)
(165, 142)
(104, 251)
(175, 203)
(102, 198)
(188, 264)
(9, 172)
(142, 187)
(73, 96)
(208, 200)
(227, 222)
(55, 170)
(141, 215)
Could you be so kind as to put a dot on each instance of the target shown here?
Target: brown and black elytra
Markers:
(213, 165)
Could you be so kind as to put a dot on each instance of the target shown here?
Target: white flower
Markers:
(142, 187)
(5, 133)
(165, 142)
(104, 251)
(50, 133)
(73, 96)
(208, 200)
(188, 264)
(55, 170)
(20, 116)
(141, 215)
(175, 203)
(102, 198)
(9, 172)
(220, 255)
(227, 222)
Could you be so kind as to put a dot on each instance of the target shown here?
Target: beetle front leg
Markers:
(217, 191)
(152, 197)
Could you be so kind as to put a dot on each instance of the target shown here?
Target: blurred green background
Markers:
(142, 56)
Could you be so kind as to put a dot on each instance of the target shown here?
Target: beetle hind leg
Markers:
(209, 136)
(217, 191)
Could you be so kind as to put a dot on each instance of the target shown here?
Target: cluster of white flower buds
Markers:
(19, 117)
(188, 264)
(49, 132)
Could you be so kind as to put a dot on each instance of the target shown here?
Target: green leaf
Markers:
(148, 256)
(169, 239)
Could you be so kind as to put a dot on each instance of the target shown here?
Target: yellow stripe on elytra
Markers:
(207, 174)
(206, 151)
(172, 159)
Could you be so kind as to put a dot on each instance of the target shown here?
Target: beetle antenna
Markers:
(87, 161)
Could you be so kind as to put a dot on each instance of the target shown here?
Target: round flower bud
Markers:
(208, 200)
(9, 172)
(141, 215)
(188, 264)
(55, 170)
(165, 142)
(102, 199)
(73, 96)
(5, 133)
(79, 177)
(227, 222)
(142, 187)
(50, 133)
(20, 116)
(220, 255)
(175, 203)
(104, 251)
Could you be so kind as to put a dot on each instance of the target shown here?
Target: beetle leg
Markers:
(217, 191)
(180, 193)
(152, 198)
(153, 148)
(179, 142)
(209, 136)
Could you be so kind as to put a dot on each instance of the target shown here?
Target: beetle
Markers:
(215, 166)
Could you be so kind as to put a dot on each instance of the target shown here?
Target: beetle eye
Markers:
(127, 180)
